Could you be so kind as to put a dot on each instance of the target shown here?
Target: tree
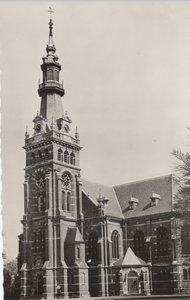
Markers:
(182, 181)
(9, 274)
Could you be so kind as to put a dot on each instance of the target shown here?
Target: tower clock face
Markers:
(40, 179)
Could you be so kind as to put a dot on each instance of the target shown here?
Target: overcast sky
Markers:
(126, 71)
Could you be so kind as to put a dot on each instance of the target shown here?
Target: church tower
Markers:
(52, 245)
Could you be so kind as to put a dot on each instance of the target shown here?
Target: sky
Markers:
(126, 72)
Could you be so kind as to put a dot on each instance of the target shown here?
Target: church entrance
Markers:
(132, 280)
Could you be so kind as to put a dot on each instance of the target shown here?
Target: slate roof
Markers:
(142, 190)
(92, 190)
(130, 259)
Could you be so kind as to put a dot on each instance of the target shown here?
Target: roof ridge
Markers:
(110, 186)
(143, 180)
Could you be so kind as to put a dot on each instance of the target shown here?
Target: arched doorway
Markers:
(132, 280)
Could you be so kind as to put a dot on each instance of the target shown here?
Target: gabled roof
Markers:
(131, 259)
(92, 191)
(142, 190)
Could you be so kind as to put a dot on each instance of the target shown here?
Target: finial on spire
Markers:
(26, 133)
(76, 133)
(50, 26)
(50, 12)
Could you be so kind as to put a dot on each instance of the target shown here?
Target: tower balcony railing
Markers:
(51, 134)
(50, 83)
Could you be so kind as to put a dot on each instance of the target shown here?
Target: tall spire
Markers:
(51, 90)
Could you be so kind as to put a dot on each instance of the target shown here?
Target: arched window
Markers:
(49, 74)
(185, 239)
(139, 244)
(115, 244)
(68, 201)
(60, 155)
(184, 274)
(72, 159)
(78, 252)
(93, 245)
(46, 154)
(63, 200)
(56, 75)
(162, 241)
(66, 156)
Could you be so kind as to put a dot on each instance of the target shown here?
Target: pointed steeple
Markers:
(51, 90)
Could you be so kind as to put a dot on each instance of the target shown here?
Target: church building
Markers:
(86, 239)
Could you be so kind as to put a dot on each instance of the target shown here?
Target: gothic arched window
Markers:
(93, 245)
(68, 201)
(66, 156)
(49, 74)
(139, 244)
(60, 155)
(184, 274)
(63, 200)
(56, 75)
(185, 239)
(72, 159)
(162, 241)
(115, 244)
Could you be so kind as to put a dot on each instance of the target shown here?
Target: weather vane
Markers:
(50, 11)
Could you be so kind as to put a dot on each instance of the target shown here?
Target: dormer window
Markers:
(155, 198)
(133, 203)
